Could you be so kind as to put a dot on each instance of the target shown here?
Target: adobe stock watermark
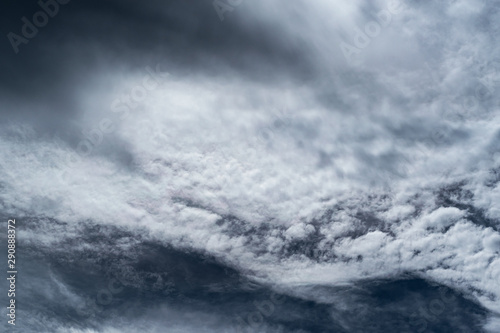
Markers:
(255, 319)
(29, 29)
(221, 6)
(431, 313)
(122, 105)
(372, 29)
(103, 298)
(279, 121)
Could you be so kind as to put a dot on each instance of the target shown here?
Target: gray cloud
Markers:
(263, 148)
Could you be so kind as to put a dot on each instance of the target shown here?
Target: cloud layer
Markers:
(255, 141)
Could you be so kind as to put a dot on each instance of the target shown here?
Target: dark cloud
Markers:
(187, 36)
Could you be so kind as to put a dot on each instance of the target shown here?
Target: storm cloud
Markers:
(259, 166)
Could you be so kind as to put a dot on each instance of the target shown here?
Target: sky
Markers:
(252, 166)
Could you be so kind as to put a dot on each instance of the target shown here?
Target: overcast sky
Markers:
(305, 145)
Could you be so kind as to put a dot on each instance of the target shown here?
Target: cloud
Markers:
(263, 146)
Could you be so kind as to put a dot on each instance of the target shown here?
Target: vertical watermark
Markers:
(11, 271)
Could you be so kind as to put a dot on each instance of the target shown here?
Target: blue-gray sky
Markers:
(329, 152)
